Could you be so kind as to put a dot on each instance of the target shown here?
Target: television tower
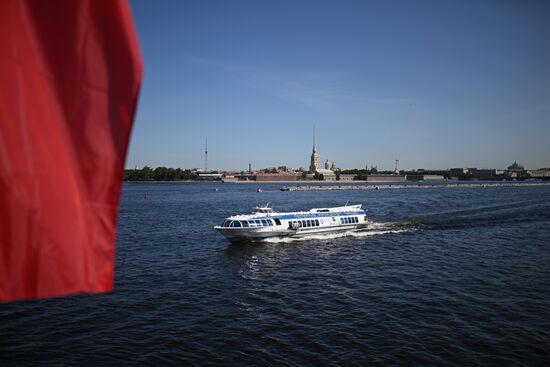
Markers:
(396, 161)
(206, 156)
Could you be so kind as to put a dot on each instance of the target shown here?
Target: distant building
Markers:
(539, 173)
(515, 167)
(328, 174)
(425, 177)
(210, 176)
(483, 174)
(347, 177)
(458, 171)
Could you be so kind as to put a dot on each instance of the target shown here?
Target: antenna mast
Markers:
(206, 156)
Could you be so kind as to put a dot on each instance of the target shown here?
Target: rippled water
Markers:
(456, 276)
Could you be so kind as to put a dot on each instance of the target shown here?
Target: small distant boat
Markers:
(263, 222)
(216, 189)
(260, 189)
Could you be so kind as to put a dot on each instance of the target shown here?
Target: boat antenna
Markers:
(347, 201)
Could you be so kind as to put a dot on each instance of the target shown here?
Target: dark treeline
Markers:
(158, 174)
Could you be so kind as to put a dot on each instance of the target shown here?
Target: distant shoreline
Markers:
(260, 182)
(317, 183)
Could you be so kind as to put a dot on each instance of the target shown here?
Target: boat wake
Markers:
(373, 229)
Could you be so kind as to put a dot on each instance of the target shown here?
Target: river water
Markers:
(442, 276)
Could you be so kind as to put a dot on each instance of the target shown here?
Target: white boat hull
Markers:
(255, 227)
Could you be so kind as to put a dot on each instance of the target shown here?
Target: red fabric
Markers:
(70, 72)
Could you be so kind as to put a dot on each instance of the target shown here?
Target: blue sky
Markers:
(435, 84)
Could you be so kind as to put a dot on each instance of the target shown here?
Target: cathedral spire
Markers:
(314, 162)
(314, 147)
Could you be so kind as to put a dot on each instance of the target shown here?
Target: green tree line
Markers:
(159, 174)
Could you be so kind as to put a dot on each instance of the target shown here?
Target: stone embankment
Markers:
(411, 186)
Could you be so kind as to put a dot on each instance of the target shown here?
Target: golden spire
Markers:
(314, 147)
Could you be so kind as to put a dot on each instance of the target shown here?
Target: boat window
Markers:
(346, 220)
(225, 223)
(251, 223)
(236, 223)
(244, 223)
(317, 222)
(277, 221)
(309, 223)
(258, 222)
(356, 219)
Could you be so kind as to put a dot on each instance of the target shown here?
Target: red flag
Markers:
(70, 73)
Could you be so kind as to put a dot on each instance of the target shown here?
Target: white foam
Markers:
(373, 229)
